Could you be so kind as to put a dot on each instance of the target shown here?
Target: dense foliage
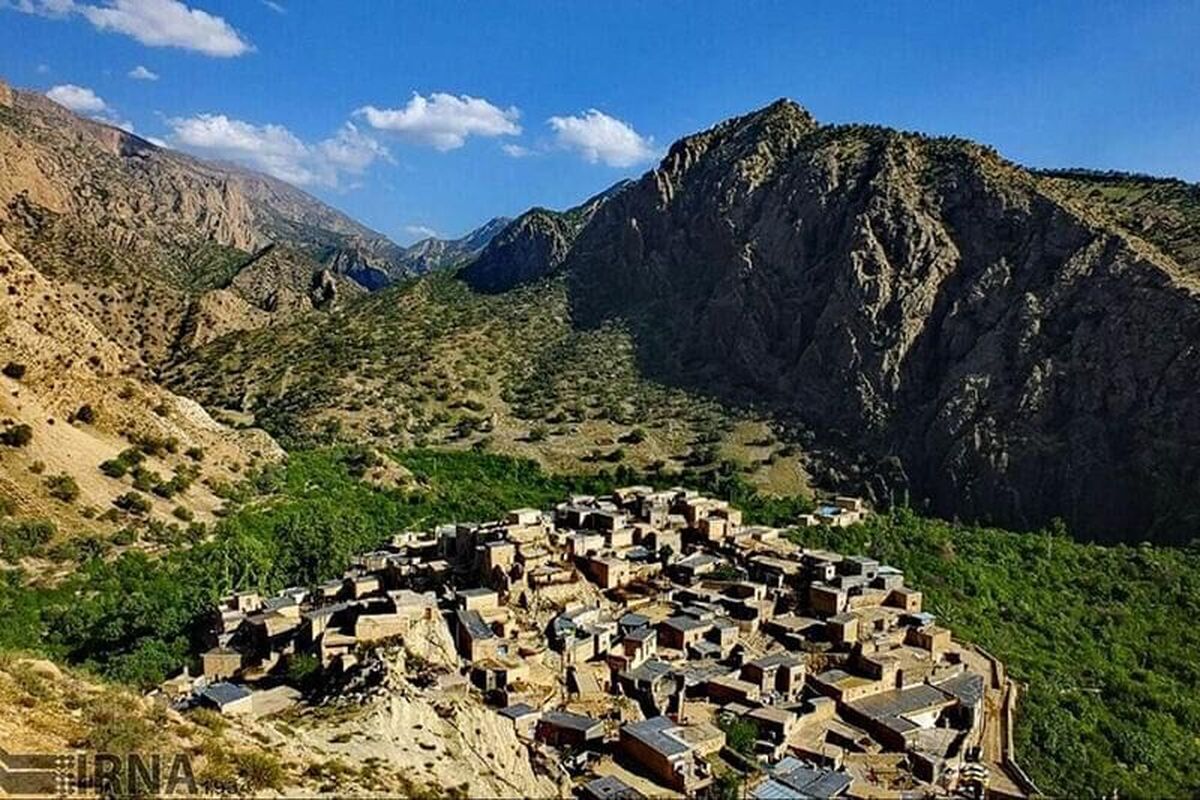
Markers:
(1103, 636)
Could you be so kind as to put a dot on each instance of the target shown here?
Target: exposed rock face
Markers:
(532, 246)
(433, 253)
(919, 301)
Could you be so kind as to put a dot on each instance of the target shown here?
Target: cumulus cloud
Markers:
(79, 99)
(601, 138)
(444, 121)
(84, 101)
(154, 23)
(140, 73)
(277, 151)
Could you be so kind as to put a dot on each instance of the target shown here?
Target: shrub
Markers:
(183, 514)
(63, 487)
(86, 414)
(22, 538)
(132, 502)
(114, 468)
(124, 537)
(14, 370)
(635, 436)
(16, 435)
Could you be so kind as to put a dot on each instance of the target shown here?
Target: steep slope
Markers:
(1006, 355)
(1163, 211)
(434, 253)
(533, 245)
(140, 233)
(79, 395)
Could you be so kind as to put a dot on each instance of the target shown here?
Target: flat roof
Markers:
(223, 693)
(685, 624)
(610, 787)
(477, 592)
(567, 719)
(899, 702)
(518, 710)
(473, 623)
(777, 660)
(655, 734)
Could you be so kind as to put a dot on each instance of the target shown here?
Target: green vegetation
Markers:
(740, 734)
(1163, 211)
(1104, 637)
(63, 487)
(430, 362)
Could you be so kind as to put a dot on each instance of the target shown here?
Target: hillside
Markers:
(923, 320)
(1001, 352)
(163, 251)
(430, 362)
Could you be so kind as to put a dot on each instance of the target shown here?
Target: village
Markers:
(649, 643)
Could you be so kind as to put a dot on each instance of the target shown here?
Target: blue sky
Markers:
(531, 103)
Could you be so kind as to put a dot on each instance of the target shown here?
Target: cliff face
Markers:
(533, 245)
(919, 303)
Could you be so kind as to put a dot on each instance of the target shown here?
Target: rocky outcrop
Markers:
(919, 303)
(532, 246)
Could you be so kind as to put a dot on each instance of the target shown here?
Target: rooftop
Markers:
(655, 733)
(517, 711)
(223, 693)
(566, 719)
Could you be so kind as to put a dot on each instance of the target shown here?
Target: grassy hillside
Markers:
(1103, 636)
(433, 363)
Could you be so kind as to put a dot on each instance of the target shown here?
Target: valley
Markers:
(214, 385)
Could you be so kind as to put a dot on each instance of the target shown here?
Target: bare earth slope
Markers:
(66, 364)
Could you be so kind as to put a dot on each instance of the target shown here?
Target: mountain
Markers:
(533, 245)
(987, 342)
(107, 214)
(433, 253)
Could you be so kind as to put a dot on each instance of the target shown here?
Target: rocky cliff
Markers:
(533, 245)
(957, 331)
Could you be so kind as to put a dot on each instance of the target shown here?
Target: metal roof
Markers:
(475, 626)
(518, 710)
(224, 693)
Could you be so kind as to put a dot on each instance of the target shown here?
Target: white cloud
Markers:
(420, 231)
(444, 121)
(276, 7)
(277, 151)
(157, 142)
(516, 150)
(140, 73)
(43, 69)
(599, 137)
(79, 99)
(154, 23)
